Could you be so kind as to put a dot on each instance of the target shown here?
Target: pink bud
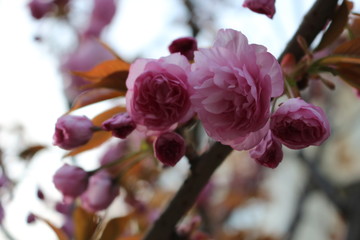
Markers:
(169, 148)
(112, 154)
(30, 218)
(72, 131)
(185, 46)
(268, 152)
(101, 192)
(102, 14)
(266, 7)
(71, 181)
(298, 124)
(121, 125)
(40, 8)
(40, 194)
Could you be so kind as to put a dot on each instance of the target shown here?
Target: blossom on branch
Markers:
(102, 190)
(169, 148)
(266, 7)
(185, 46)
(120, 125)
(233, 83)
(298, 124)
(71, 181)
(72, 131)
(158, 97)
(268, 152)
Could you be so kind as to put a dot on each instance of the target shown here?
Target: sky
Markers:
(31, 87)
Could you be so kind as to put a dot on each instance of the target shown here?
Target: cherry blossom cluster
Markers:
(228, 87)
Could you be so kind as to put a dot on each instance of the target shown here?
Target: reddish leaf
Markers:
(349, 48)
(136, 237)
(104, 69)
(99, 137)
(93, 96)
(30, 152)
(85, 224)
(337, 25)
(115, 227)
(336, 59)
(115, 80)
(350, 73)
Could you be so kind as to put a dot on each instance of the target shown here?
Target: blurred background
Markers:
(35, 89)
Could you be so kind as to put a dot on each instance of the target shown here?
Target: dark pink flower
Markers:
(101, 192)
(298, 124)
(169, 148)
(120, 125)
(30, 218)
(72, 131)
(39, 8)
(102, 14)
(268, 152)
(158, 93)
(71, 181)
(266, 7)
(186, 46)
(233, 83)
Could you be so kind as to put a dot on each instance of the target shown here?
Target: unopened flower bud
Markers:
(185, 46)
(101, 192)
(298, 124)
(169, 148)
(121, 125)
(30, 218)
(71, 181)
(72, 131)
(39, 8)
(266, 7)
(268, 152)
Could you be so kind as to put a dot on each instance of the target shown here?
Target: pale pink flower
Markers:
(72, 131)
(71, 181)
(298, 124)
(233, 83)
(268, 152)
(87, 55)
(169, 148)
(266, 7)
(102, 190)
(158, 97)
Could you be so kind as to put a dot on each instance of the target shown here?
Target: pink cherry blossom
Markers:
(102, 190)
(266, 7)
(186, 46)
(88, 54)
(72, 131)
(71, 181)
(169, 148)
(121, 125)
(158, 97)
(101, 16)
(268, 152)
(298, 124)
(233, 83)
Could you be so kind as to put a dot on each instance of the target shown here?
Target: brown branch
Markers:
(164, 227)
(314, 21)
(187, 195)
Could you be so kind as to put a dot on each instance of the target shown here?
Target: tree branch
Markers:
(314, 21)
(187, 195)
